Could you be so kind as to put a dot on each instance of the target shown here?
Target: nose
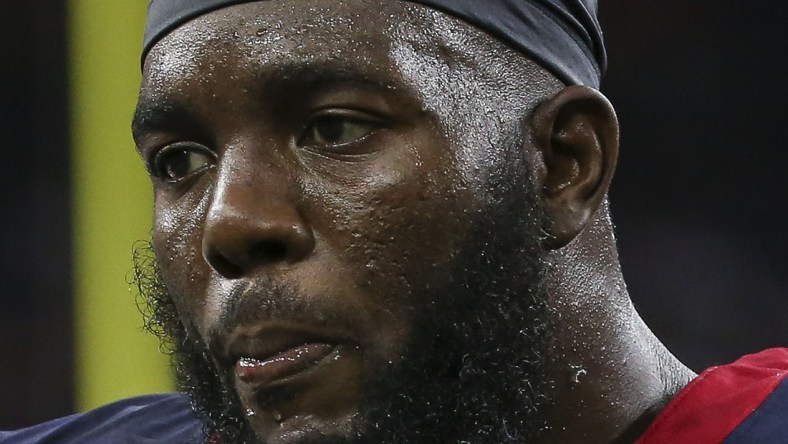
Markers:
(247, 228)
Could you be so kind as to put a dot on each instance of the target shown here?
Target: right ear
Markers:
(576, 132)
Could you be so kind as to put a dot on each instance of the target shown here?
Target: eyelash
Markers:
(340, 125)
(159, 169)
(344, 120)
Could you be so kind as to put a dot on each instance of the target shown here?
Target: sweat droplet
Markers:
(578, 374)
(249, 412)
(276, 415)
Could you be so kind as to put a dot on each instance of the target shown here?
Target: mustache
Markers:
(267, 301)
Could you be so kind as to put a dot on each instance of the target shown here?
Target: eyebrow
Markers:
(277, 81)
(156, 114)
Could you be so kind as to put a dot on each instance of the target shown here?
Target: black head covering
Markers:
(564, 36)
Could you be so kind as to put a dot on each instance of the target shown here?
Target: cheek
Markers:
(398, 223)
(177, 240)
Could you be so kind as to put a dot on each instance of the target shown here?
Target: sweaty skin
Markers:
(318, 166)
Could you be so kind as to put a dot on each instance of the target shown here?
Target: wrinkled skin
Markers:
(361, 175)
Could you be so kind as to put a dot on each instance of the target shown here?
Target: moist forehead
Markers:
(279, 28)
(355, 33)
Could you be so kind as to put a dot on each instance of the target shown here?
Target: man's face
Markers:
(344, 225)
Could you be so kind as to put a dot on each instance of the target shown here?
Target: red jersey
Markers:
(743, 402)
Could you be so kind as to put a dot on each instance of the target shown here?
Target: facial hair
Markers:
(472, 370)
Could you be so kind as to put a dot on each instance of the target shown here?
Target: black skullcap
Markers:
(564, 36)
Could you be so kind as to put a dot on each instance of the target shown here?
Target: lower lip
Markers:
(288, 363)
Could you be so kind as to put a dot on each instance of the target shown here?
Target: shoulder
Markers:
(145, 419)
(742, 402)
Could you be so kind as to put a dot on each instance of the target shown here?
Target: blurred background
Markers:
(699, 199)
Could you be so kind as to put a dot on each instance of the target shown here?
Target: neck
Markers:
(611, 375)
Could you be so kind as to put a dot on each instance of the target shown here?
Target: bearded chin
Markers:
(472, 370)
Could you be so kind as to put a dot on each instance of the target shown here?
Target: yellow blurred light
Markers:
(112, 205)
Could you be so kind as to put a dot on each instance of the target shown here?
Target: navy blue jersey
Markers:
(145, 419)
(768, 424)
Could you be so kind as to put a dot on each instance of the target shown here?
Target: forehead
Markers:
(281, 35)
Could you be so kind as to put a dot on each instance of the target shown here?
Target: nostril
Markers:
(224, 266)
(268, 251)
(235, 264)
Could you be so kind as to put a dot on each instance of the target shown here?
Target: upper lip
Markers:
(266, 341)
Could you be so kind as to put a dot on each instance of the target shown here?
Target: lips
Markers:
(268, 354)
(292, 361)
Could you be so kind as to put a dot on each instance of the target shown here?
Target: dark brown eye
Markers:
(177, 162)
(335, 131)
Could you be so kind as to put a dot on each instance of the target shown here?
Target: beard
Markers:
(472, 370)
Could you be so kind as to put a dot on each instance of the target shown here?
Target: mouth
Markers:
(269, 356)
(262, 371)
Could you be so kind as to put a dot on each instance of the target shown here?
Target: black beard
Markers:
(473, 368)
(473, 372)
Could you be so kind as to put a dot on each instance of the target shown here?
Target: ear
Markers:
(577, 134)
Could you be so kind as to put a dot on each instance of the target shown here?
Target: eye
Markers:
(176, 162)
(336, 130)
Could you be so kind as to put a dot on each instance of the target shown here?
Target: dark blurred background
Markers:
(36, 375)
(699, 197)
